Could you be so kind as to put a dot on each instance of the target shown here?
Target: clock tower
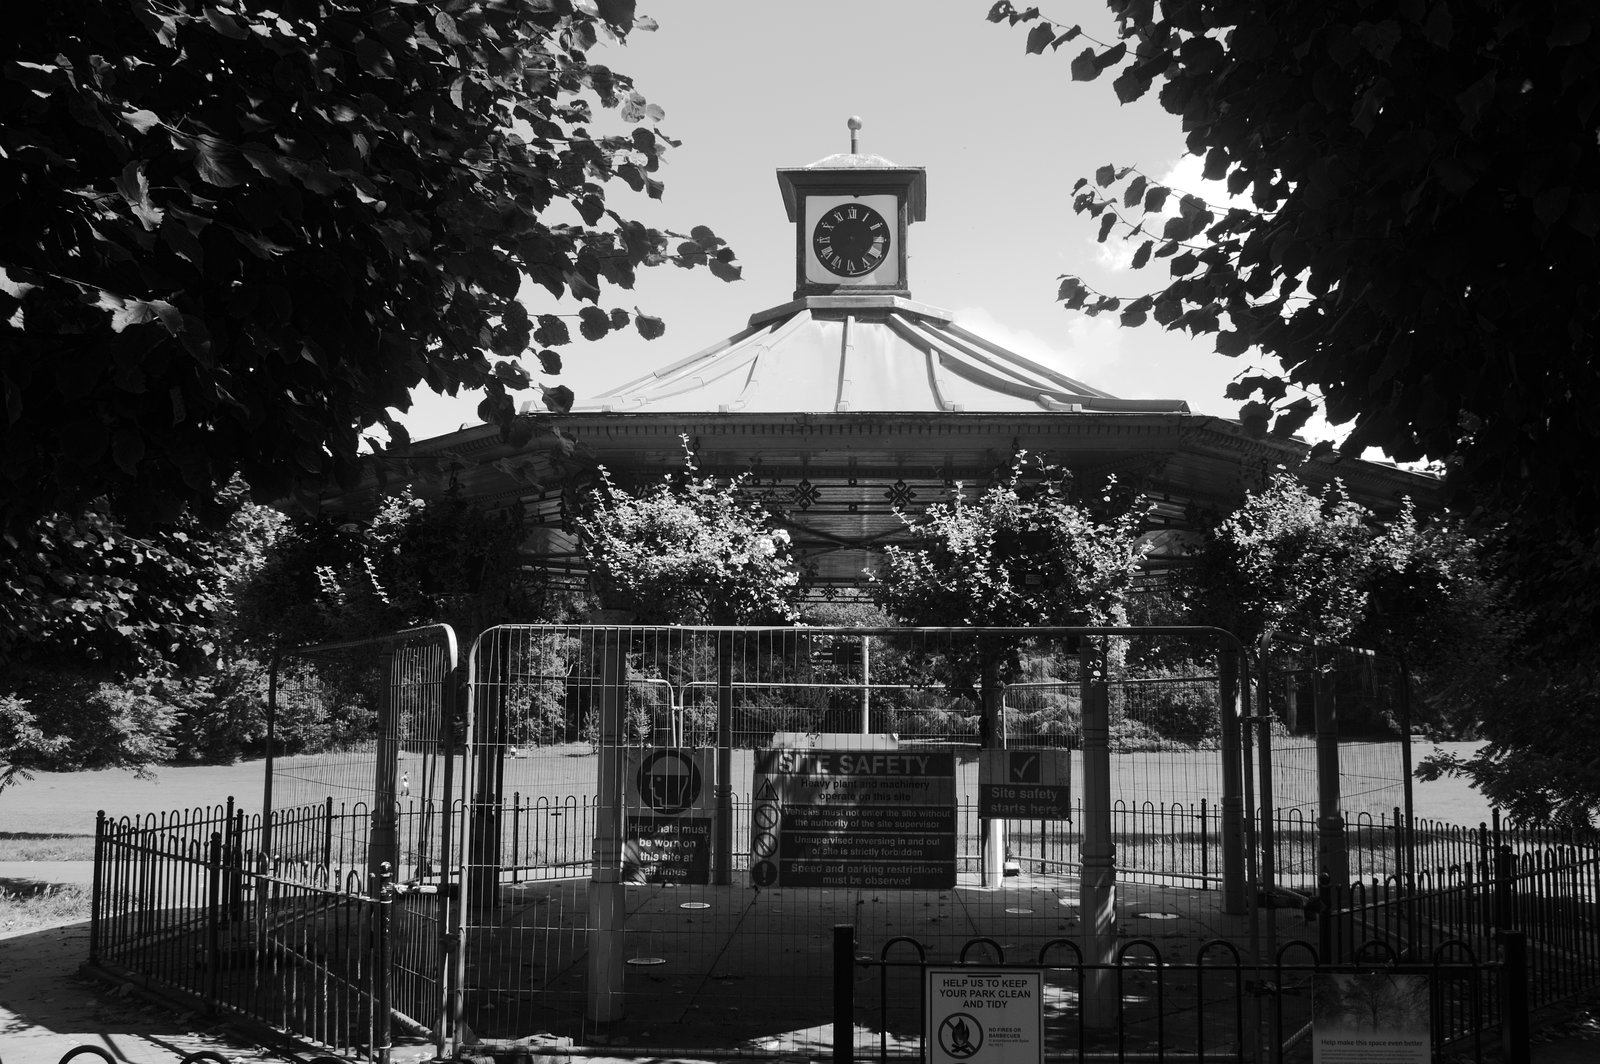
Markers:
(851, 213)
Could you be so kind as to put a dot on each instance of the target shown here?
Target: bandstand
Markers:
(852, 401)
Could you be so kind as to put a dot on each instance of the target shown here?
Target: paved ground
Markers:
(47, 1008)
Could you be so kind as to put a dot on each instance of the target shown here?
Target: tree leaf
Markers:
(1292, 418)
(512, 374)
(1130, 85)
(559, 399)
(1111, 56)
(135, 190)
(1142, 254)
(593, 323)
(142, 120)
(374, 58)
(142, 311)
(551, 331)
(649, 327)
(1084, 67)
(1232, 343)
(226, 24)
(217, 164)
(1072, 33)
(1040, 38)
(618, 13)
(447, 29)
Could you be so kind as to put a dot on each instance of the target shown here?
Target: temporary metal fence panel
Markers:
(1338, 747)
(361, 769)
(591, 742)
(362, 730)
(593, 914)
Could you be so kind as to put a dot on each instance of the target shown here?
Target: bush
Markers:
(1183, 718)
(66, 723)
(219, 717)
(536, 713)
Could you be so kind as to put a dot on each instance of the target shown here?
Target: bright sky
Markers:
(749, 87)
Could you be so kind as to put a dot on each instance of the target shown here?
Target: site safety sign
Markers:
(668, 816)
(853, 818)
(1025, 784)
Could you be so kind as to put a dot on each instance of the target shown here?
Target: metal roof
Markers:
(861, 354)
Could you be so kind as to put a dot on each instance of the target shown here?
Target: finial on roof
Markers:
(855, 127)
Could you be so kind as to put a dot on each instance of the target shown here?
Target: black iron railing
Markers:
(1213, 1007)
(185, 902)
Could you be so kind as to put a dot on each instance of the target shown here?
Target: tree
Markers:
(1438, 605)
(1293, 569)
(1029, 551)
(82, 593)
(74, 722)
(1425, 192)
(238, 234)
(113, 645)
(1417, 249)
(413, 562)
(688, 550)
(1286, 565)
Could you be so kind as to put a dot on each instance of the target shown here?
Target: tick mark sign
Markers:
(1025, 784)
(1024, 767)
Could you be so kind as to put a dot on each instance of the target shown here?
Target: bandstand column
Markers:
(607, 897)
(1097, 882)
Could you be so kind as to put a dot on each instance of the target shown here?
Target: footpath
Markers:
(48, 1008)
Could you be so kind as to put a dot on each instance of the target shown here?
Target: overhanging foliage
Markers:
(239, 233)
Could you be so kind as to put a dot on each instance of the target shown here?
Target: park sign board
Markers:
(668, 816)
(984, 1015)
(1025, 784)
(853, 818)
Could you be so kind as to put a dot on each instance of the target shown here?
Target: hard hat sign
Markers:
(669, 781)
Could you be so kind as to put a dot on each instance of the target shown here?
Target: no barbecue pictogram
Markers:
(960, 1035)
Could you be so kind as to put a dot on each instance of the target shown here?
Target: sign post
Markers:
(984, 1016)
(853, 818)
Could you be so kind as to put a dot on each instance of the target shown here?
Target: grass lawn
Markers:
(35, 814)
(51, 817)
(56, 803)
(25, 909)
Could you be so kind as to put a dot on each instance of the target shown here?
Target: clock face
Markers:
(850, 240)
